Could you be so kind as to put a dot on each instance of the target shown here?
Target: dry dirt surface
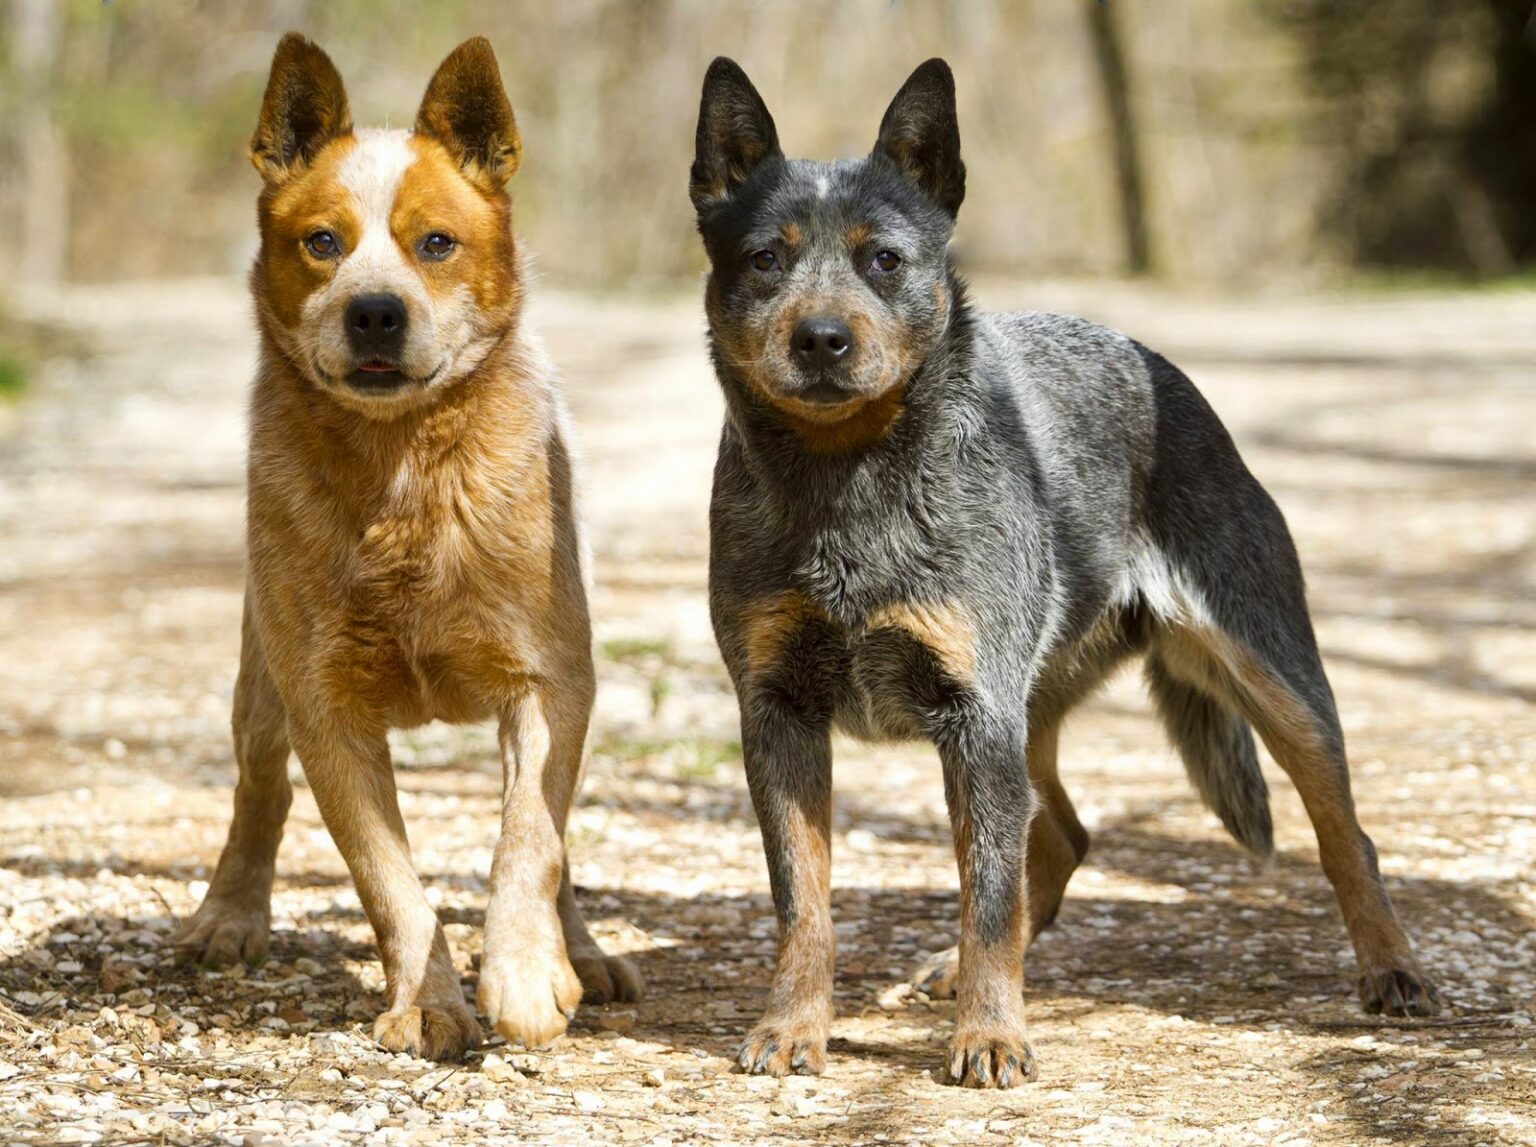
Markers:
(1185, 995)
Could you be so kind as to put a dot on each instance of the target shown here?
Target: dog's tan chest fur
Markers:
(431, 558)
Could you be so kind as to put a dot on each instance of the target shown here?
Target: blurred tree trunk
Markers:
(44, 243)
(1109, 62)
(1494, 208)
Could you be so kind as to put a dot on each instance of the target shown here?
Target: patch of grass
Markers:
(24, 345)
(690, 758)
(628, 650)
(582, 838)
(18, 353)
(14, 372)
(1429, 280)
(698, 764)
(661, 689)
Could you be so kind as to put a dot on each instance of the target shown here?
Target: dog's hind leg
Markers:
(234, 919)
(1057, 844)
(1220, 573)
(1268, 669)
(604, 978)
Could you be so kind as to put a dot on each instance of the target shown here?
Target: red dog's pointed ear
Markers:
(304, 108)
(467, 111)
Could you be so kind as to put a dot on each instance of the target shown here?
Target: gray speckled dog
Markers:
(930, 522)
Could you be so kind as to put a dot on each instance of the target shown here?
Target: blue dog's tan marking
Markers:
(929, 522)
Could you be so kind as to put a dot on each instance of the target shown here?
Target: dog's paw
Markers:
(441, 1030)
(529, 1001)
(1399, 991)
(607, 979)
(222, 933)
(935, 976)
(990, 1056)
(782, 1047)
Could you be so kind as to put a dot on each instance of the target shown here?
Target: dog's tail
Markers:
(1219, 756)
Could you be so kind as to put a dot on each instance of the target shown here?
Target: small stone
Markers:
(423, 1084)
(792, 1104)
(498, 1070)
(621, 1021)
(494, 1109)
(117, 975)
(145, 1029)
(656, 1077)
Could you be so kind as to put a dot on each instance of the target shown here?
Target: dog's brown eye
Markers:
(437, 245)
(321, 244)
(764, 260)
(886, 261)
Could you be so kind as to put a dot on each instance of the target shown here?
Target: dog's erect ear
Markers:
(305, 107)
(736, 133)
(467, 111)
(921, 134)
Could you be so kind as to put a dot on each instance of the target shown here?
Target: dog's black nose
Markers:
(376, 326)
(821, 340)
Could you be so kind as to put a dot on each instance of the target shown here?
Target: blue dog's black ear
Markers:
(736, 133)
(921, 135)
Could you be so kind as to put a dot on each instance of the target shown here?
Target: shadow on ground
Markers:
(1250, 963)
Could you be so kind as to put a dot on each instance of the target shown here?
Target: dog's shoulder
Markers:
(1063, 354)
(1075, 385)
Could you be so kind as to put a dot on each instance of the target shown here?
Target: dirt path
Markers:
(1184, 996)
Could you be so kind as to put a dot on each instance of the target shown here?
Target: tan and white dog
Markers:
(414, 550)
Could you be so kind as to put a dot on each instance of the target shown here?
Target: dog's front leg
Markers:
(350, 774)
(788, 757)
(528, 987)
(990, 802)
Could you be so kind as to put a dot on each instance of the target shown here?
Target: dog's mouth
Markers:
(376, 374)
(380, 376)
(825, 392)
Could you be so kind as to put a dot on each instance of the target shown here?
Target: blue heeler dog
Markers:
(932, 522)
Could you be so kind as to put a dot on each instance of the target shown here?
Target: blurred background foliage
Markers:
(1204, 141)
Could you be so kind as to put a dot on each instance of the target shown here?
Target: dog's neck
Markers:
(493, 413)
